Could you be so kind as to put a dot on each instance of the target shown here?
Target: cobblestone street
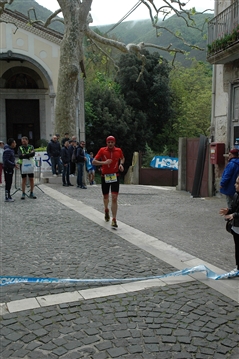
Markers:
(179, 318)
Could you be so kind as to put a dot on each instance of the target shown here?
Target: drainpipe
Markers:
(214, 76)
(211, 167)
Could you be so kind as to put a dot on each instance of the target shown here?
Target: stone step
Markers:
(49, 178)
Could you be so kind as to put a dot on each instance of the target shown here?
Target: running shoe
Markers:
(9, 199)
(107, 215)
(114, 223)
(32, 195)
(23, 196)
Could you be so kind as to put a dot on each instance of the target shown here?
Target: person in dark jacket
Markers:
(230, 173)
(233, 213)
(66, 158)
(80, 162)
(8, 167)
(66, 138)
(72, 150)
(54, 152)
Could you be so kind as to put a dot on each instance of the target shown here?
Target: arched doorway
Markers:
(23, 120)
(22, 115)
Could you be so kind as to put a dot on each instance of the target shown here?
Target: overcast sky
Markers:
(111, 11)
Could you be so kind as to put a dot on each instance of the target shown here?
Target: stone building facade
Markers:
(223, 54)
(29, 65)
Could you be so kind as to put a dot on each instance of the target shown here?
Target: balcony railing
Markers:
(223, 32)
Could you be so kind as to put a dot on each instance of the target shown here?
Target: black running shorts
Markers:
(106, 186)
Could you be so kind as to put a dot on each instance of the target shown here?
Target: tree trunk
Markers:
(75, 16)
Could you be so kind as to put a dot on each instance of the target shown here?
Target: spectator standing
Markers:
(58, 137)
(54, 152)
(72, 150)
(91, 170)
(230, 173)
(66, 138)
(1, 160)
(26, 151)
(8, 167)
(111, 159)
(80, 162)
(65, 158)
(232, 213)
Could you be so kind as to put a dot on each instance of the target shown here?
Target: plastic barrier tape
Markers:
(7, 280)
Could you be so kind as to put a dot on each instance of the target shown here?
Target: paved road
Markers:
(190, 224)
(45, 238)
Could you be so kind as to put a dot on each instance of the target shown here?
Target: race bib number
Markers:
(110, 178)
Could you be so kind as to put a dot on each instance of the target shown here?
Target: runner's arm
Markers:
(100, 163)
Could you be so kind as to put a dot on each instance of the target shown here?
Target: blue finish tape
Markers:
(7, 280)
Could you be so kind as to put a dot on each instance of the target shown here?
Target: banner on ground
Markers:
(7, 280)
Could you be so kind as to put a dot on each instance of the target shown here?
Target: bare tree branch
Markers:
(136, 48)
(2, 5)
(181, 38)
(130, 48)
(52, 18)
(105, 53)
(167, 9)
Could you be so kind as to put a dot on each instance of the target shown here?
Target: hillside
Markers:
(139, 31)
(136, 32)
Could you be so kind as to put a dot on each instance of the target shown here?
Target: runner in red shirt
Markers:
(111, 159)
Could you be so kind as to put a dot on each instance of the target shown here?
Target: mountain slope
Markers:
(142, 31)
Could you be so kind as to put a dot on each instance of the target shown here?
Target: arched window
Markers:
(22, 77)
(21, 81)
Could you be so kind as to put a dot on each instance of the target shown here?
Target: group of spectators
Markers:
(68, 156)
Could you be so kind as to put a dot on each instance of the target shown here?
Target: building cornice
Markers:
(22, 22)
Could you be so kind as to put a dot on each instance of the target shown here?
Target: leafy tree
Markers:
(161, 107)
(192, 88)
(108, 113)
(148, 155)
(191, 103)
(150, 94)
